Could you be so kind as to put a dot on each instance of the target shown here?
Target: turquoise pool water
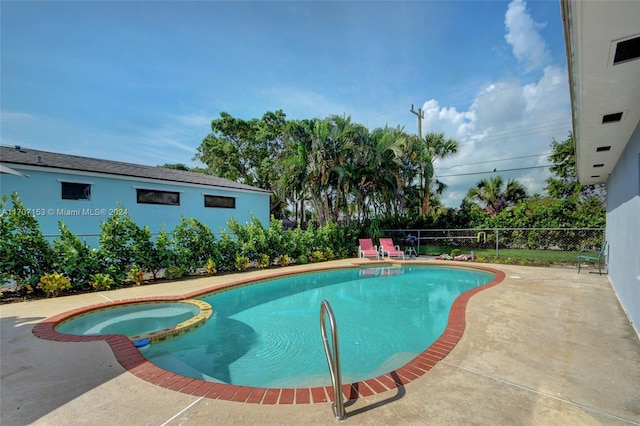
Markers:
(268, 334)
(130, 320)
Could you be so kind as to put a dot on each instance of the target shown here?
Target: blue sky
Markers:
(141, 81)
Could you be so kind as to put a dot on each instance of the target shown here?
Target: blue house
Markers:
(603, 58)
(83, 192)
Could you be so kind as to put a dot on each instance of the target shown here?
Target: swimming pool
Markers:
(267, 334)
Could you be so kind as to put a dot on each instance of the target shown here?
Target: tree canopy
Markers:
(333, 169)
(339, 168)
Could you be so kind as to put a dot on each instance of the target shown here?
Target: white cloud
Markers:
(522, 34)
(506, 119)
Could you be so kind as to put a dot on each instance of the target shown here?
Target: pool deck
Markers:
(545, 346)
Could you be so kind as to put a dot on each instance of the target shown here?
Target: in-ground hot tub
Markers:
(139, 320)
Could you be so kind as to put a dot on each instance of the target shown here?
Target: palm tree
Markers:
(293, 179)
(432, 147)
(493, 197)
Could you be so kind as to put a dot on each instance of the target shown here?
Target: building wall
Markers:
(41, 193)
(623, 228)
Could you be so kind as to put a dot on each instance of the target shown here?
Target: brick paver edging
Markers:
(132, 360)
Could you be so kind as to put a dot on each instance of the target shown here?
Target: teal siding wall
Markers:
(41, 193)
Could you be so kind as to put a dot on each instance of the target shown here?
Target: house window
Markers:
(76, 191)
(220, 202)
(153, 196)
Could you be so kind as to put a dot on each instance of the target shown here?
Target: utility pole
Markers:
(420, 115)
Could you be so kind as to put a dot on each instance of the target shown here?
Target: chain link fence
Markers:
(545, 246)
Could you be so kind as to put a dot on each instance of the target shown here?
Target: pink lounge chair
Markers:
(366, 248)
(386, 246)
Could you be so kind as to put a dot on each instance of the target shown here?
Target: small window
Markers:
(220, 202)
(76, 191)
(152, 196)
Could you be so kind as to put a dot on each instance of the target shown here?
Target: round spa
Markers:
(139, 320)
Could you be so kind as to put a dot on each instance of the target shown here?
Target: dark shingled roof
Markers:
(32, 157)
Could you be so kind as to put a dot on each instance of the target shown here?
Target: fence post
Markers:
(497, 243)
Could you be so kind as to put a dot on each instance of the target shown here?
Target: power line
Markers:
(498, 171)
(524, 131)
(493, 160)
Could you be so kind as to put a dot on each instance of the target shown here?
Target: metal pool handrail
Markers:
(333, 359)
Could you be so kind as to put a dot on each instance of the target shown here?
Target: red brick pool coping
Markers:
(132, 360)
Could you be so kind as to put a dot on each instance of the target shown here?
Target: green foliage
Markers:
(263, 261)
(211, 267)
(54, 283)
(494, 197)
(122, 242)
(193, 244)
(241, 262)
(74, 258)
(25, 255)
(136, 274)
(317, 256)
(226, 252)
(244, 151)
(101, 282)
(173, 273)
(251, 239)
(328, 254)
(284, 260)
(162, 254)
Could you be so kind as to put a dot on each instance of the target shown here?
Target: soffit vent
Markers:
(612, 118)
(627, 50)
(603, 148)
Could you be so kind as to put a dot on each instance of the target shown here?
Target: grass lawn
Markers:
(534, 256)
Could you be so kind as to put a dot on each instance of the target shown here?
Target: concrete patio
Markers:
(547, 346)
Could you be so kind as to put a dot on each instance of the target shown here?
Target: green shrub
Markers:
(101, 282)
(263, 261)
(328, 254)
(211, 267)
(302, 259)
(456, 252)
(162, 255)
(74, 258)
(54, 283)
(194, 244)
(225, 254)
(317, 256)
(25, 255)
(136, 274)
(173, 273)
(284, 260)
(122, 242)
(242, 263)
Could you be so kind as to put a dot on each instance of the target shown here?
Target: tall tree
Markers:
(493, 196)
(247, 151)
(432, 147)
(244, 151)
(564, 184)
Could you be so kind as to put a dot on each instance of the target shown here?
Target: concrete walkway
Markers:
(545, 347)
